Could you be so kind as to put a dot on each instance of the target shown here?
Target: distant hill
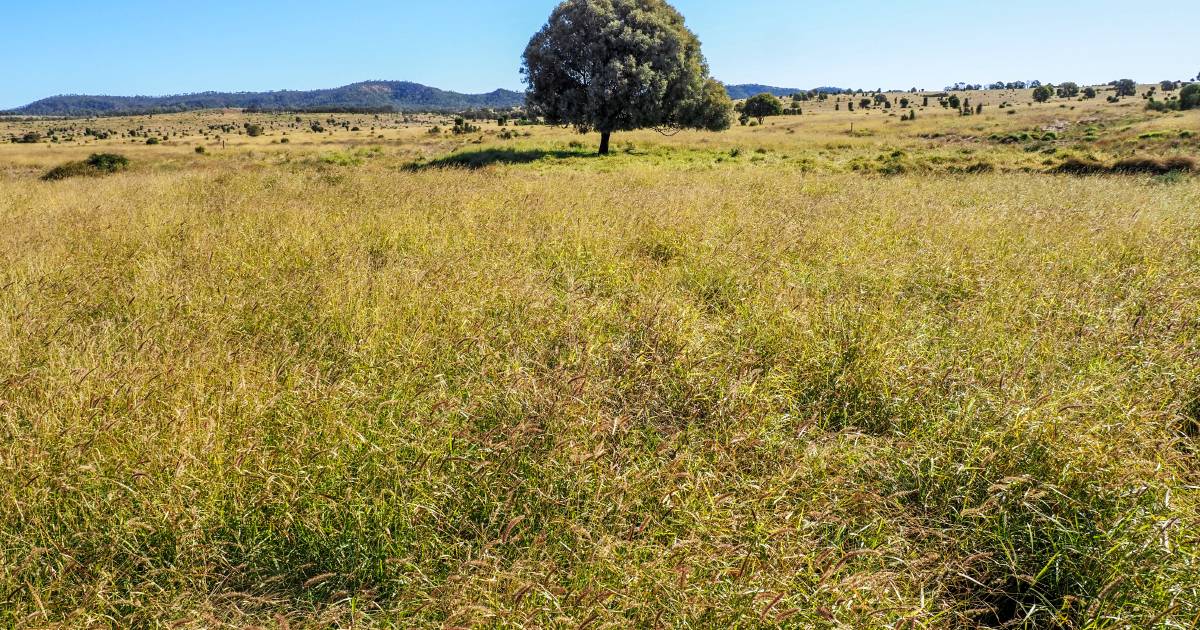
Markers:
(366, 96)
(746, 90)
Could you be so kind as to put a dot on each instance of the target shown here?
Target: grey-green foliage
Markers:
(1068, 90)
(1189, 96)
(618, 65)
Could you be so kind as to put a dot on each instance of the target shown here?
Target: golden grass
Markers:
(673, 387)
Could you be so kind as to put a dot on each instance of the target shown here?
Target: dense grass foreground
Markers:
(645, 397)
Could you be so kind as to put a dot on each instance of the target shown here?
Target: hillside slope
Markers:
(380, 95)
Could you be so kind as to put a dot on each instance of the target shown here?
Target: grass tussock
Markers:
(1155, 166)
(1128, 166)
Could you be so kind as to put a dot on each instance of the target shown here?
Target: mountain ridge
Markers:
(365, 95)
(746, 90)
(381, 96)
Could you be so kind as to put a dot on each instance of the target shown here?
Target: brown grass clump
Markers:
(1154, 166)
(1128, 166)
(1081, 166)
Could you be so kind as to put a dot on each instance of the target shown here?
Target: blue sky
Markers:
(168, 46)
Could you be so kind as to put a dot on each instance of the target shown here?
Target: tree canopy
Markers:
(619, 65)
(1189, 96)
(1125, 87)
(762, 105)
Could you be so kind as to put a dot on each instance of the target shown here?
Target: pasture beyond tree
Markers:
(620, 65)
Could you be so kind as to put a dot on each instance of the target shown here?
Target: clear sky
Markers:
(156, 47)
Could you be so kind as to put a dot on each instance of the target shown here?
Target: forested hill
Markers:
(746, 90)
(366, 96)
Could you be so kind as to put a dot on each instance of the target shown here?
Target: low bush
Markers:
(96, 164)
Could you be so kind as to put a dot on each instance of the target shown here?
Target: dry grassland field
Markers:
(838, 370)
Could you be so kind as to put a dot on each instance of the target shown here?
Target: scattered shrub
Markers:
(96, 164)
(461, 126)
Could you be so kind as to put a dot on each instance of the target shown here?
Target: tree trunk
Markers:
(604, 138)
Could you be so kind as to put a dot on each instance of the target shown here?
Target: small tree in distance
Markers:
(620, 65)
(1125, 87)
(1189, 96)
(1068, 90)
(1042, 94)
(762, 105)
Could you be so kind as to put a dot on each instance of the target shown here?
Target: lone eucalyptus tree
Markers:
(619, 65)
(762, 105)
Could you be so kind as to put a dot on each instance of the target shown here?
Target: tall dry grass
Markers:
(647, 391)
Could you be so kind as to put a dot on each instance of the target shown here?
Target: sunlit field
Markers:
(837, 370)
